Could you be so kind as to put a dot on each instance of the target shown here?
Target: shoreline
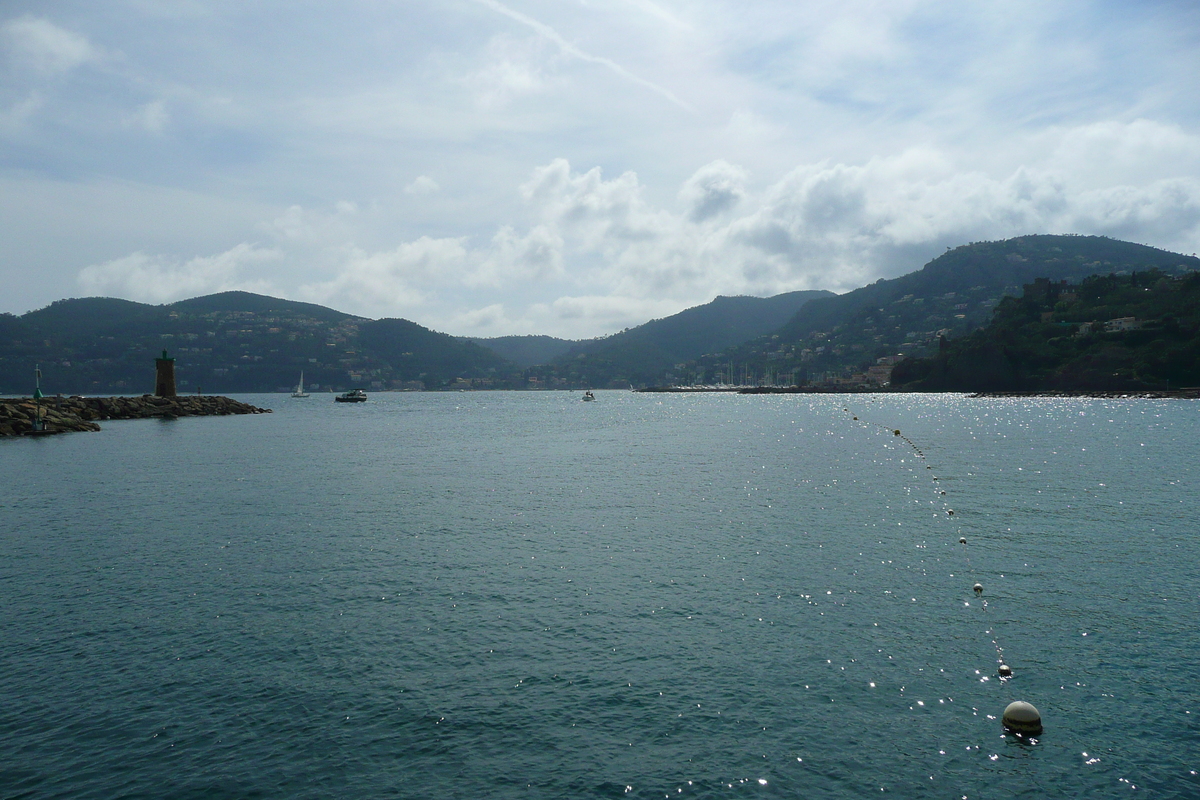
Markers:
(1189, 393)
(73, 414)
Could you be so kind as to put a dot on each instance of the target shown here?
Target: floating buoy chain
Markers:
(1020, 716)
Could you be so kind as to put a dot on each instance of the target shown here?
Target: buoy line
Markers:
(1019, 717)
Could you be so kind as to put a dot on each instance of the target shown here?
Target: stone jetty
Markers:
(63, 414)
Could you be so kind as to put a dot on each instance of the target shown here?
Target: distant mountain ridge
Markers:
(950, 296)
(525, 351)
(644, 354)
(240, 341)
(232, 342)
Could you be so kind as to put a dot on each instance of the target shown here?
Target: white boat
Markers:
(300, 387)
(588, 396)
(352, 396)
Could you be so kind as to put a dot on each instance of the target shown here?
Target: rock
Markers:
(77, 413)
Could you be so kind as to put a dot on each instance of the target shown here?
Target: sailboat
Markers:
(300, 387)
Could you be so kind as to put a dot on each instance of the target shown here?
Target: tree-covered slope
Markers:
(950, 296)
(526, 351)
(643, 354)
(90, 316)
(410, 352)
(248, 302)
(1109, 333)
(230, 342)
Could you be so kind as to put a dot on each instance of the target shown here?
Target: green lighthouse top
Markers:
(164, 357)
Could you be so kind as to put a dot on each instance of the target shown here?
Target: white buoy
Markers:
(962, 540)
(1022, 717)
(978, 589)
(950, 512)
(1005, 671)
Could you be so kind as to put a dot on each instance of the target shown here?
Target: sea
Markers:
(522, 595)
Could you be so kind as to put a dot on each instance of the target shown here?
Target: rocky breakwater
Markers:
(63, 414)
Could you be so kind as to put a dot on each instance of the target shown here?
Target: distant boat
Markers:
(352, 396)
(300, 387)
(588, 396)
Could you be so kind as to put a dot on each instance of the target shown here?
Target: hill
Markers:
(410, 353)
(644, 354)
(232, 342)
(241, 342)
(526, 351)
(950, 296)
(1108, 333)
(247, 302)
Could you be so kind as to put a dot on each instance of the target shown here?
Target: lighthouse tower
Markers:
(164, 376)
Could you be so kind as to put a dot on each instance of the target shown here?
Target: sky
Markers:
(574, 167)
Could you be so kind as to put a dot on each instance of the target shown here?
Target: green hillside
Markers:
(232, 342)
(242, 342)
(646, 353)
(526, 351)
(1108, 333)
(247, 302)
(409, 352)
(950, 296)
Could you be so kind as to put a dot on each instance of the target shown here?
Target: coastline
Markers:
(1190, 393)
(75, 413)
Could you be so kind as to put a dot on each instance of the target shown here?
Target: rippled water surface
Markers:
(522, 595)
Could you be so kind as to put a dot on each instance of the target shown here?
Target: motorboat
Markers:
(352, 396)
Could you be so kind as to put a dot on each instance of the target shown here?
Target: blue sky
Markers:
(489, 167)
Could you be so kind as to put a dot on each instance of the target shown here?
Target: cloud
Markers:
(434, 160)
(563, 317)
(1103, 153)
(513, 68)
(597, 255)
(161, 279)
(714, 189)
(422, 185)
(151, 117)
(17, 115)
(43, 46)
(552, 35)
(512, 258)
(388, 282)
(835, 225)
(311, 229)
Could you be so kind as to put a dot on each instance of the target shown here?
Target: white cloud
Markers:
(483, 321)
(151, 117)
(830, 144)
(713, 190)
(300, 227)
(423, 184)
(15, 116)
(44, 46)
(512, 258)
(161, 279)
(512, 68)
(386, 283)
(550, 34)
